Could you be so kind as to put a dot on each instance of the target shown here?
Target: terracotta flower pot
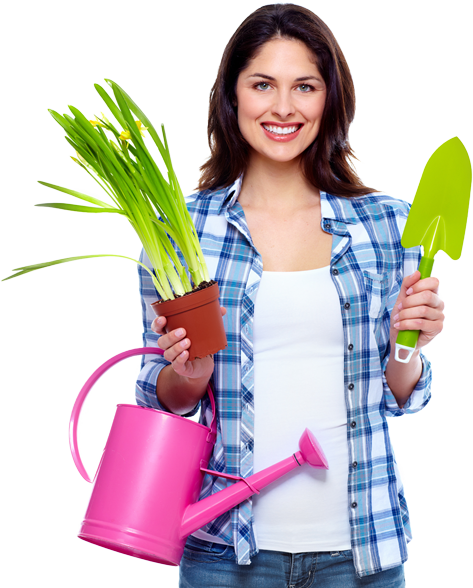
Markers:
(199, 314)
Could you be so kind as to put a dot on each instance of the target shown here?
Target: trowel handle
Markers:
(408, 339)
(73, 423)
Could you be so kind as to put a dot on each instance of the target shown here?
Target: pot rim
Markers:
(188, 301)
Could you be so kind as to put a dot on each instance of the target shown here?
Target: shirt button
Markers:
(347, 305)
(351, 386)
(353, 424)
(354, 504)
(350, 347)
(354, 464)
(327, 226)
(335, 272)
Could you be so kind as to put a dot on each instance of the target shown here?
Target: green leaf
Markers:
(76, 194)
(30, 268)
(77, 208)
(111, 104)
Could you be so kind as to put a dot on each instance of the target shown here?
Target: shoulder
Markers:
(378, 206)
(206, 200)
(378, 215)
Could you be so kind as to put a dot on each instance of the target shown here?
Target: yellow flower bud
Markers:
(96, 122)
(105, 118)
(125, 135)
(141, 128)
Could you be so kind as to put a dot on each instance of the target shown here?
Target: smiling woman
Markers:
(284, 218)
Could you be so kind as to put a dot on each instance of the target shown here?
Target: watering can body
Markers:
(148, 475)
(144, 501)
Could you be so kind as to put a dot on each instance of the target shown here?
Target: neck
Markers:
(282, 186)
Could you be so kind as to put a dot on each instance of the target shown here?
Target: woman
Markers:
(282, 216)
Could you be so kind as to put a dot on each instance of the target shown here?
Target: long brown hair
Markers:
(325, 163)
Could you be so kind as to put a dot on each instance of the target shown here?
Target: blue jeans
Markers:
(211, 565)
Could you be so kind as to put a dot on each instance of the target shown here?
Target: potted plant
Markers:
(119, 161)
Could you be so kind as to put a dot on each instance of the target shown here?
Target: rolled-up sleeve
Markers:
(420, 395)
(151, 365)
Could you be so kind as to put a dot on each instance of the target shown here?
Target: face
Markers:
(280, 100)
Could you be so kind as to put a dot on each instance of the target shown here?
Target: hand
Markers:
(175, 346)
(418, 307)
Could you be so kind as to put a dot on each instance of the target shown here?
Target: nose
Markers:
(283, 105)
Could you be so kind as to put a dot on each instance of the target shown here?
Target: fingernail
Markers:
(399, 306)
(396, 325)
(409, 291)
(184, 342)
(179, 332)
(396, 317)
(160, 320)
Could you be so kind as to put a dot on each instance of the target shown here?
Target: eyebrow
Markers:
(266, 77)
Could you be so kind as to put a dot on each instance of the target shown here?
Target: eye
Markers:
(262, 86)
(305, 88)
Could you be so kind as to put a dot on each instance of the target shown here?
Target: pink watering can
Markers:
(145, 497)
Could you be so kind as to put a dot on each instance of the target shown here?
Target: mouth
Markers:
(282, 130)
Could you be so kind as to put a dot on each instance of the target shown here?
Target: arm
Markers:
(170, 382)
(418, 306)
(181, 384)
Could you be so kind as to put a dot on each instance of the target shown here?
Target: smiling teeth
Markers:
(281, 130)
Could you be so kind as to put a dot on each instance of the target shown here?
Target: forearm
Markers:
(403, 377)
(179, 394)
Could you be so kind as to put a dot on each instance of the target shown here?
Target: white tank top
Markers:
(298, 365)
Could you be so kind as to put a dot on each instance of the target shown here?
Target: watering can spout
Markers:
(200, 513)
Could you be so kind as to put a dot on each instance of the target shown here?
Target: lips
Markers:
(281, 132)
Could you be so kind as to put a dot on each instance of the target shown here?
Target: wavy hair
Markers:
(325, 163)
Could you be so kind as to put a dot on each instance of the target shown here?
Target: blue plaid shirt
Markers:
(367, 265)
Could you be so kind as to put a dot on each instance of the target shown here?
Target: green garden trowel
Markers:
(437, 219)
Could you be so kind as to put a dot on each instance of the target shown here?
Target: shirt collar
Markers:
(339, 209)
(332, 207)
(230, 195)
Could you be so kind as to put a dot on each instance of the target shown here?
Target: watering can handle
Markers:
(86, 389)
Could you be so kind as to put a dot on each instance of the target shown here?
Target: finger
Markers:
(169, 339)
(423, 298)
(223, 310)
(427, 327)
(424, 284)
(176, 350)
(410, 281)
(158, 325)
(180, 365)
(418, 312)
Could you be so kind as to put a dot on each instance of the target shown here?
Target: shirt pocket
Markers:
(377, 293)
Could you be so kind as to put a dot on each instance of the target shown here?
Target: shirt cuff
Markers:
(146, 386)
(420, 395)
